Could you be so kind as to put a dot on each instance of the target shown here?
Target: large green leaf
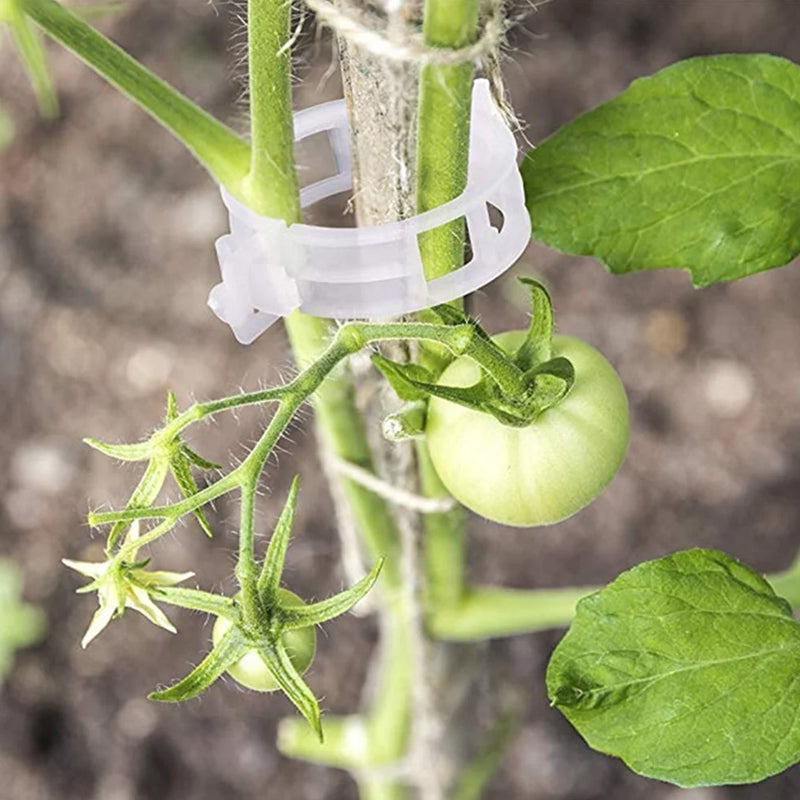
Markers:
(696, 167)
(687, 668)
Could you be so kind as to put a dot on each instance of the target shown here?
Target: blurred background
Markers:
(106, 258)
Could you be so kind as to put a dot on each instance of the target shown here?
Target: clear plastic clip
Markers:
(269, 269)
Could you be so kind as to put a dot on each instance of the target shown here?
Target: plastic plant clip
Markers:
(270, 269)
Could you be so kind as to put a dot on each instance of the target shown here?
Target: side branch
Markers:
(215, 146)
(349, 339)
(492, 612)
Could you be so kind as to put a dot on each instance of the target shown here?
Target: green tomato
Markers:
(546, 471)
(251, 671)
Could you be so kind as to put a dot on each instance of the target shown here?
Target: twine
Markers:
(356, 29)
(396, 496)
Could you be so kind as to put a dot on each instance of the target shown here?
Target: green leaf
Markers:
(696, 167)
(686, 668)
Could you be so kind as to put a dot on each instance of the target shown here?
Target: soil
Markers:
(106, 257)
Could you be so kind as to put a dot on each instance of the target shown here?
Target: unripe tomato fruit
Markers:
(251, 671)
(542, 473)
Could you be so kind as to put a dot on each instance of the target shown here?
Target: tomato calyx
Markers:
(540, 381)
(261, 644)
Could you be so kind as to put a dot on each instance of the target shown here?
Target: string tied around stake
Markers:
(270, 269)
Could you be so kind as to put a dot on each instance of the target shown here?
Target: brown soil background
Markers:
(105, 260)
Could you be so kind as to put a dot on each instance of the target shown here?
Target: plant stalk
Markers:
(272, 184)
(214, 145)
(272, 188)
(442, 168)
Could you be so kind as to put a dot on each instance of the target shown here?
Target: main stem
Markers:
(442, 165)
(272, 188)
(443, 137)
(391, 182)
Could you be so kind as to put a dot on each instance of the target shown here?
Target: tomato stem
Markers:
(214, 145)
(442, 169)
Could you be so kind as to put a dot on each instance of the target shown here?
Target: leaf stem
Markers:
(487, 612)
(272, 162)
(216, 147)
(443, 130)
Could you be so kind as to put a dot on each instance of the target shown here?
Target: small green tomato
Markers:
(546, 471)
(251, 671)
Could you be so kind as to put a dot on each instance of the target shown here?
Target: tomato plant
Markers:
(684, 667)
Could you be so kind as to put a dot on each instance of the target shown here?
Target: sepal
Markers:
(140, 451)
(124, 584)
(291, 682)
(413, 382)
(537, 347)
(549, 384)
(269, 580)
(409, 381)
(181, 459)
(451, 315)
(222, 657)
(316, 613)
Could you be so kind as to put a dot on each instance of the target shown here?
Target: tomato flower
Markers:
(121, 584)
